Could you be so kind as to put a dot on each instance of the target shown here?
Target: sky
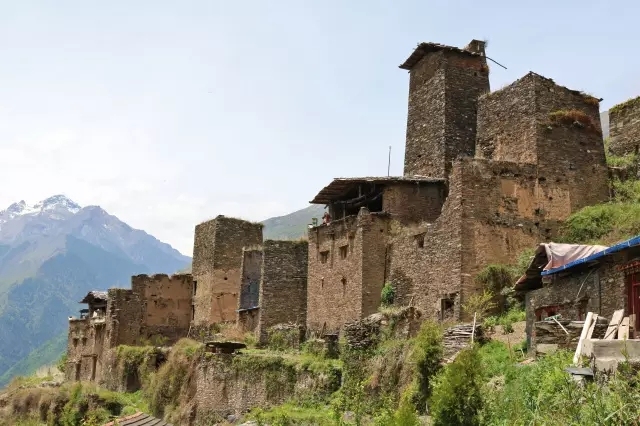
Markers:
(169, 113)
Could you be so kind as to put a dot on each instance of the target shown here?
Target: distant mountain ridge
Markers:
(51, 254)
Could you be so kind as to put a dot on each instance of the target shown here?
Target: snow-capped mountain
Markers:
(52, 253)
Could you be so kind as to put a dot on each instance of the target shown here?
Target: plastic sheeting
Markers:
(556, 256)
(561, 254)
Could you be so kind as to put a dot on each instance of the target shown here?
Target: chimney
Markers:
(476, 46)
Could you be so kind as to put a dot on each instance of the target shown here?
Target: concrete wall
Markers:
(412, 202)
(283, 289)
(441, 122)
(217, 262)
(624, 127)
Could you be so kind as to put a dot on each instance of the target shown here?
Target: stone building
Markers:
(486, 176)
(217, 261)
(624, 127)
(274, 286)
(605, 280)
(156, 310)
(86, 338)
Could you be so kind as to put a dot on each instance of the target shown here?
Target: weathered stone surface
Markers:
(601, 289)
(217, 262)
(444, 86)
(283, 287)
(624, 127)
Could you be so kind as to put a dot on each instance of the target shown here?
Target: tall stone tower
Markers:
(444, 86)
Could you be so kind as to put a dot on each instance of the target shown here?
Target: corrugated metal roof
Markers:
(138, 419)
(632, 242)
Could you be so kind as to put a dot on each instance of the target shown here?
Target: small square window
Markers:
(324, 256)
(419, 240)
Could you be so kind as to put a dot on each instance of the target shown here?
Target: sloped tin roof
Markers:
(138, 419)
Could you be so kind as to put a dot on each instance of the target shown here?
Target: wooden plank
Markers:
(632, 326)
(616, 319)
(592, 327)
(623, 331)
(585, 330)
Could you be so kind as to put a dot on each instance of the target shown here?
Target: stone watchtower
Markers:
(217, 263)
(445, 83)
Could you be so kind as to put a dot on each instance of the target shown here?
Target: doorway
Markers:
(633, 298)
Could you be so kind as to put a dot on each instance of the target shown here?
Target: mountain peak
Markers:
(56, 201)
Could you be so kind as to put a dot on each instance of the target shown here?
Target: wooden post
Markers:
(473, 329)
(583, 335)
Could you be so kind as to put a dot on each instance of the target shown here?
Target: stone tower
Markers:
(444, 85)
(217, 263)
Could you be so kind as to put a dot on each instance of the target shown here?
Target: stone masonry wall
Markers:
(624, 127)
(331, 301)
(441, 120)
(515, 124)
(84, 349)
(571, 154)
(251, 275)
(506, 128)
(375, 232)
(414, 203)
(283, 289)
(425, 260)
(217, 262)
(124, 318)
(599, 289)
(166, 306)
(234, 384)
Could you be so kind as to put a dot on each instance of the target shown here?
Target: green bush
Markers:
(427, 355)
(388, 295)
(457, 393)
(609, 222)
(62, 363)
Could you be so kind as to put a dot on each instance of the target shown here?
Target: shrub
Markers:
(427, 354)
(574, 117)
(457, 394)
(480, 304)
(388, 294)
(62, 363)
(605, 223)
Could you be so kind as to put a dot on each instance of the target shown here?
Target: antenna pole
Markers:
(389, 162)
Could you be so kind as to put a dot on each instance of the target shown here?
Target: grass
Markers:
(628, 104)
(574, 117)
(603, 223)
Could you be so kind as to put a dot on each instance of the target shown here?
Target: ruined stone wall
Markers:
(124, 317)
(624, 127)
(526, 122)
(425, 260)
(331, 301)
(506, 128)
(601, 289)
(412, 202)
(571, 154)
(441, 121)
(283, 289)
(374, 234)
(166, 306)
(84, 349)
(248, 320)
(234, 384)
(217, 262)
(251, 275)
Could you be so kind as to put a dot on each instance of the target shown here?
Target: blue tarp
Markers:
(635, 241)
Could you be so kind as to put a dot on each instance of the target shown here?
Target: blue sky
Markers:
(168, 113)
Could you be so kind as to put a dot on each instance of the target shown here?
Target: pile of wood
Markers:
(458, 337)
(619, 327)
(565, 333)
